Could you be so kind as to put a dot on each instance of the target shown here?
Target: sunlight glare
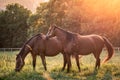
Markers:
(45, 0)
(106, 8)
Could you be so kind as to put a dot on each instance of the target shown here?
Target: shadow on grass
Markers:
(23, 75)
(92, 76)
(107, 75)
(85, 74)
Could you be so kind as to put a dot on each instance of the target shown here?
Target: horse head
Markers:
(20, 57)
(51, 31)
(19, 63)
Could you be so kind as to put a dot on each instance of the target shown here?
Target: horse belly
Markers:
(53, 50)
(83, 49)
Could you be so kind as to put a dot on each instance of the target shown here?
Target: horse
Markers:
(38, 45)
(81, 45)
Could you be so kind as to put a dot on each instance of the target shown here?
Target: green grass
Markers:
(108, 71)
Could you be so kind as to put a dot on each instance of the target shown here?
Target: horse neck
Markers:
(60, 35)
(23, 54)
(63, 35)
(30, 42)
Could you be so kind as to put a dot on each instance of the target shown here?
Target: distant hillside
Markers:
(30, 4)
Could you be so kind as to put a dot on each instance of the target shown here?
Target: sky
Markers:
(30, 4)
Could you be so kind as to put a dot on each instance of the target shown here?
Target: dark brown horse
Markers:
(81, 45)
(38, 45)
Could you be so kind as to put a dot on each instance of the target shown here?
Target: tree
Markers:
(73, 15)
(37, 21)
(57, 12)
(13, 24)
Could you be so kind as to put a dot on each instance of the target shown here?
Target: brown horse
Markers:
(38, 45)
(81, 45)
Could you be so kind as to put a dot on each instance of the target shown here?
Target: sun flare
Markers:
(45, 0)
(107, 8)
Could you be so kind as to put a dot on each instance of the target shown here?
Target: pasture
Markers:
(108, 71)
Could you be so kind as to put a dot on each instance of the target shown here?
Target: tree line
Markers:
(17, 24)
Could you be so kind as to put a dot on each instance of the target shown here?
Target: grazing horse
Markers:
(38, 45)
(81, 45)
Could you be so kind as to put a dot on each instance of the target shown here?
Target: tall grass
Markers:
(108, 71)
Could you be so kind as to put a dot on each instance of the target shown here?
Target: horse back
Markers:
(87, 44)
(39, 45)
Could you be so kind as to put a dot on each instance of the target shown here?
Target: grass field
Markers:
(108, 71)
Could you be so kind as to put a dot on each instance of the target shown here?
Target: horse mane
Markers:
(37, 35)
(66, 31)
(69, 35)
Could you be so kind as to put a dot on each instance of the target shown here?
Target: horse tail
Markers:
(109, 49)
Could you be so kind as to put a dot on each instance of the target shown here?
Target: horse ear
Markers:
(51, 25)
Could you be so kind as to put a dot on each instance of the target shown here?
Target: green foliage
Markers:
(72, 15)
(13, 25)
(17, 24)
(48, 13)
(72, 20)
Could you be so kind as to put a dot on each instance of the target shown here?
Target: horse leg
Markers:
(65, 62)
(68, 63)
(97, 65)
(34, 61)
(44, 62)
(77, 62)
